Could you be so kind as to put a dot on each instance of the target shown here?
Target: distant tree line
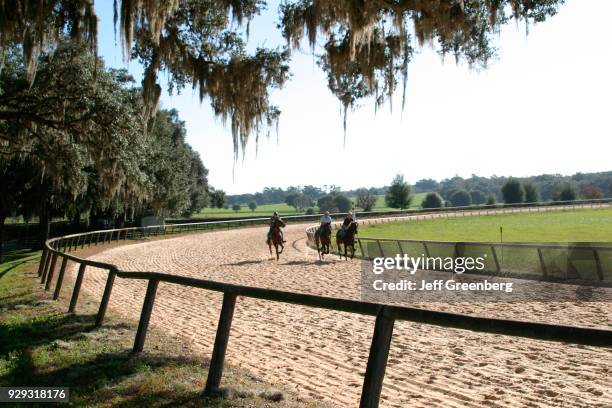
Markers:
(482, 190)
(455, 191)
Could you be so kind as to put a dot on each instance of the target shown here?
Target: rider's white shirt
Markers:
(326, 218)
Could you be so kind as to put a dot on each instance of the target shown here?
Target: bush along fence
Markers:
(56, 252)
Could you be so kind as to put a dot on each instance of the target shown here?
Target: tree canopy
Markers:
(399, 194)
(86, 151)
(365, 46)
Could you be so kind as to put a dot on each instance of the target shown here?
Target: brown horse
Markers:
(348, 240)
(323, 236)
(276, 238)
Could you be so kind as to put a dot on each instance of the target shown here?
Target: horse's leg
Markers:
(277, 253)
(270, 247)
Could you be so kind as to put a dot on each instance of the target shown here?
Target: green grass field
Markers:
(265, 210)
(554, 226)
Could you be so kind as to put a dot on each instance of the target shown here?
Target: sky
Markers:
(541, 107)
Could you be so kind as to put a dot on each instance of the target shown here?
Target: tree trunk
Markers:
(76, 221)
(44, 222)
(2, 219)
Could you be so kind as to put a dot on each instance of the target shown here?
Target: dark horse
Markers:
(323, 236)
(276, 238)
(348, 240)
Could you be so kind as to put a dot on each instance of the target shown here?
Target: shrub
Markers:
(310, 211)
(592, 192)
(513, 192)
(491, 199)
(432, 200)
(565, 191)
(461, 198)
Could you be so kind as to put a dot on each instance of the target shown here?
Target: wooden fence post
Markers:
(598, 264)
(105, 298)
(145, 315)
(495, 259)
(50, 273)
(77, 288)
(46, 267)
(377, 360)
(542, 263)
(218, 356)
(426, 249)
(60, 278)
(43, 260)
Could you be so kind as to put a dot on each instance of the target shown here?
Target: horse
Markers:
(276, 238)
(347, 240)
(323, 236)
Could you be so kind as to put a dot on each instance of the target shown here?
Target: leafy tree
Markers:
(592, 192)
(303, 201)
(176, 176)
(310, 211)
(425, 185)
(491, 199)
(343, 203)
(399, 194)
(291, 200)
(461, 198)
(236, 207)
(432, 200)
(513, 192)
(217, 199)
(565, 191)
(334, 202)
(298, 200)
(327, 203)
(478, 197)
(365, 199)
(252, 205)
(202, 43)
(86, 129)
(531, 192)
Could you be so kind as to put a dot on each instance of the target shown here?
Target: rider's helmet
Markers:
(326, 212)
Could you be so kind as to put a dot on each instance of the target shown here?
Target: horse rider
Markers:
(325, 220)
(275, 217)
(350, 217)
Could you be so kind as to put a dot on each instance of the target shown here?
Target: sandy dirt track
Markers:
(322, 354)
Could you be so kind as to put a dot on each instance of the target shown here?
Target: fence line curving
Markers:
(541, 261)
(57, 249)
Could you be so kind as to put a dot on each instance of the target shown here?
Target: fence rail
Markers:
(542, 261)
(56, 250)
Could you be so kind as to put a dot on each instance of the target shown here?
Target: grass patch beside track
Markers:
(589, 225)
